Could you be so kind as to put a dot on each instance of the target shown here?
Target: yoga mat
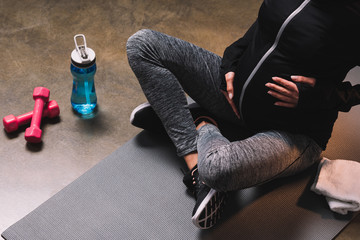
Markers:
(137, 193)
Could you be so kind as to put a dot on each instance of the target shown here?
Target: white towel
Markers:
(339, 181)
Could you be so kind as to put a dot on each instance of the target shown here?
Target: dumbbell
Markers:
(33, 133)
(12, 123)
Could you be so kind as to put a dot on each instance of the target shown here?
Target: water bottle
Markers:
(83, 68)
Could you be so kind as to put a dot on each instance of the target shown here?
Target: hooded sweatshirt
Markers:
(312, 38)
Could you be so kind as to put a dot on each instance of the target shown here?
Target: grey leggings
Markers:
(167, 68)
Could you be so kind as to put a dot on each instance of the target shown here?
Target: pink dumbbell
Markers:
(12, 123)
(33, 133)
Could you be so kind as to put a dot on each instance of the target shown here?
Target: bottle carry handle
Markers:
(81, 49)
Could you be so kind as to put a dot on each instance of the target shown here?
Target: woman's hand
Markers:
(229, 94)
(229, 77)
(287, 91)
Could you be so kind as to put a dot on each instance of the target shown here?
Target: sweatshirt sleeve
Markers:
(341, 97)
(235, 50)
(345, 96)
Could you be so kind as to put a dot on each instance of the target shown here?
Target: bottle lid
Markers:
(82, 56)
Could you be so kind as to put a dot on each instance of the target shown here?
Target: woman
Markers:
(282, 82)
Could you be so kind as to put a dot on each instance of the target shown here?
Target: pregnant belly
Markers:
(259, 111)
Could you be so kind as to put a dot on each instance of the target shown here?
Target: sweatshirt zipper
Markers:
(271, 49)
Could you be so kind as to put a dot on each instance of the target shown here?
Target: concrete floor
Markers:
(36, 39)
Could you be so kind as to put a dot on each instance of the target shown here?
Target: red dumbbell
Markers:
(12, 123)
(33, 133)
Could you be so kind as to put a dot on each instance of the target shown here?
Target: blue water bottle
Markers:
(83, 68)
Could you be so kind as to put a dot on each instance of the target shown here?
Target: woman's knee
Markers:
(142, 48)
(139, 39)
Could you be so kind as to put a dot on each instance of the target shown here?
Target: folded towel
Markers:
(338, 181)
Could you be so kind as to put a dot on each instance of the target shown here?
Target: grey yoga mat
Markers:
(137, 193)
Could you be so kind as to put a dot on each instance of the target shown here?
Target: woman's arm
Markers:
(304, 94)
(345, 96)
(287, 92)
(235, 50)
(229, 62)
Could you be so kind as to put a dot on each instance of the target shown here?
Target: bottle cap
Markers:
(82, 56)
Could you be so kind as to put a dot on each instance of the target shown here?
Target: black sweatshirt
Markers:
(313, 38)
